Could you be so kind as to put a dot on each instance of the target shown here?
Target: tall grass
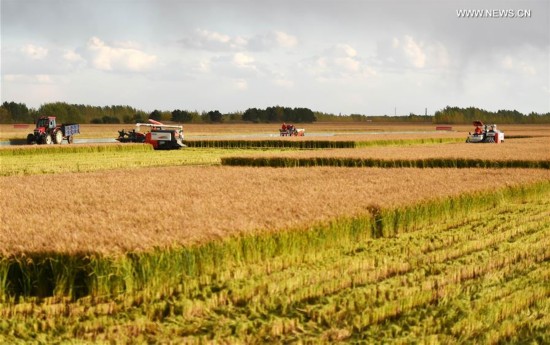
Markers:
(286, 162)
(56, 274)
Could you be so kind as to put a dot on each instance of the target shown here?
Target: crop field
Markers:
(119, 243)
(197, 204)
(86, 158)
(523, 152)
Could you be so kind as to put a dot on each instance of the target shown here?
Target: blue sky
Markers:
(366, 57)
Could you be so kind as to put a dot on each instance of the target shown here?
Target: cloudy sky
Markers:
(346, 56)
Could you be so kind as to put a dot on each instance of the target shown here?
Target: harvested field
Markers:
(134, 210)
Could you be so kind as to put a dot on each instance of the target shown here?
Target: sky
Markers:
(342, 57)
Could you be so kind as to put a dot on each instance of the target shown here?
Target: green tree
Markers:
(18, 112)
(181, 116)
(215, 116)
(155, 115)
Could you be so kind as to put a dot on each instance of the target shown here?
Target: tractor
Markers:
(161, 136)
(47, 131)
(485, 134)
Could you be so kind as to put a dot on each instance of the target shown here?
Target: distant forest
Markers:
(11, 112)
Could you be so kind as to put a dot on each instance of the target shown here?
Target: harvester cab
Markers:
(485, 134)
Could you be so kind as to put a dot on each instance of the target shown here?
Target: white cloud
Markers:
(212, 40)
(518, 65)
(414, 52)
(285, 40)
(243, 60)
(284, 83)
(216, 41)
(271, 40)
(341, 61)
(34, 52)
(406, 52)
(29, 79)
(241, 84)
(114, 58)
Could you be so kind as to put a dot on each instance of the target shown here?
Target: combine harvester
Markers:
(161, 136)
(485, 134)
(291, 131)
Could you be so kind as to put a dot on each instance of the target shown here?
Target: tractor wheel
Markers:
(47, 139)
(70, 139)
(58, 137)
(30, 139)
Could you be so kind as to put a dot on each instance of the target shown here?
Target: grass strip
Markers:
(291, 162)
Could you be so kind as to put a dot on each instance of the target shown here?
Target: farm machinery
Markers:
(485, 134)
(291, 130)
(160, 136)
(47, 131)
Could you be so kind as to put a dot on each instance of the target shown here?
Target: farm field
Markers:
(534, 149)
(120, 243)
(481, 277)
(186, 205)
(86, 158)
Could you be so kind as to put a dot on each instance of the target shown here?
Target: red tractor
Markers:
(47, 131)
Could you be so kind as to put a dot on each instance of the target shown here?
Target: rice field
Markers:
(532, 149)
(477, 275)
(34, 160)
(120, 243)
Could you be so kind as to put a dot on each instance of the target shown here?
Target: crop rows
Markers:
(478, 275)
(286, 162)
(59, 149)
(299, 143)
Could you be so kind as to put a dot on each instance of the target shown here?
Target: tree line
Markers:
(456, 115)
(12, 112)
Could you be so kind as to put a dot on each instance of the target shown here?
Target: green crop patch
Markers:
(53, 149)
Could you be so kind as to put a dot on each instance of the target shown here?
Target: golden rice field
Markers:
(122, 244)
(512, 149)
(139, 209)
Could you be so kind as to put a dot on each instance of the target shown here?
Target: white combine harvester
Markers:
(485, 134)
